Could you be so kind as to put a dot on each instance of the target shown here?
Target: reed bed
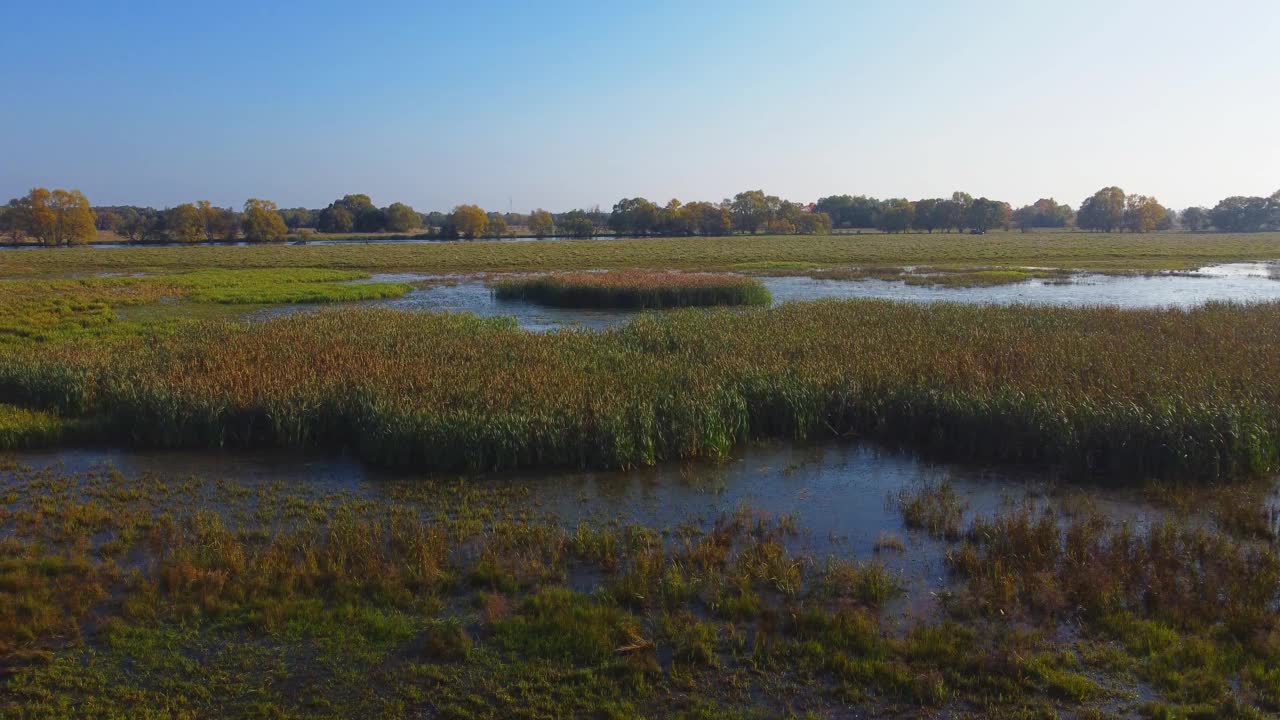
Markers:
(634, 290)
(1125, 394)
(21, 428)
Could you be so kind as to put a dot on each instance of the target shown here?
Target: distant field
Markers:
(762, 253)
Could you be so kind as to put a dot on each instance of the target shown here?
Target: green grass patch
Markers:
(274, 287)
(1076, 250)
(21, 428)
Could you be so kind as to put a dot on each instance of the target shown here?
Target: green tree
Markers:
(352, 212)
(927, 217)
(576, 224)
(987, 214)
(297, 218)
(836, 206)
(1044, 212)
(1247, 214)
(222, 224)
(634, 216)
(209, 218)
(847, 211)
(185, 223)
(675, 220)
(1104, 210)
(469, 221)
(497, 226)
(1195, 219)
(708, 219)
(261, 221)
(749, 210)
(541, 224)
(135, 226)
(401, 218)
(897, 215)
(371, 221)
(106, 220)
(336, 219)
(814, 223)
(956, 211)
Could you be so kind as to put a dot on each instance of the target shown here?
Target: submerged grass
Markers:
(1128, 394)
(180, 596)
(982, 278)
(634, 289)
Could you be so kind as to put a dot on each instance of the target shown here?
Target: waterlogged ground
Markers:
(800, 581)
(832, 581)
(1234, 282)
(843, 499)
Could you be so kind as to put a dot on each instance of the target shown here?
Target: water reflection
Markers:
(839, 494)
(1235, 282)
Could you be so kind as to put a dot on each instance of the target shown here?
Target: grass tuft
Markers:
(634, 290)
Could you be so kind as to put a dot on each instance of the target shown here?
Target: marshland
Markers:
(297, 482)
(622, 361)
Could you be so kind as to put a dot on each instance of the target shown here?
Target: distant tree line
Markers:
(1108, 210)
(65, 217)
(1236, 214)
(748, 212)
(257, 221)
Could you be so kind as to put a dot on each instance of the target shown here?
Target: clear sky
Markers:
(562, 104)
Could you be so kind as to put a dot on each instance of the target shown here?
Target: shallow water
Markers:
(1236, 282)
(839, 494)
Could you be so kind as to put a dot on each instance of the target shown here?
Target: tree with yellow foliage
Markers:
(1143, 214)
(57, 217)
(469, 221)
(262, 222)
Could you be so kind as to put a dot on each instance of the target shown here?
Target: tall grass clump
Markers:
(634, 289)
(21, 428)
(1125, 394)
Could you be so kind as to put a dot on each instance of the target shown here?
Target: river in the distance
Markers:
(1234, 282)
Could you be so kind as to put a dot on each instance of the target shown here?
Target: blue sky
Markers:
(562, 104)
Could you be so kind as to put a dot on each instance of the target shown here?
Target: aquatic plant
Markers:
(22, 428)
(184, 593)
(634, 289)
(1123, 394)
